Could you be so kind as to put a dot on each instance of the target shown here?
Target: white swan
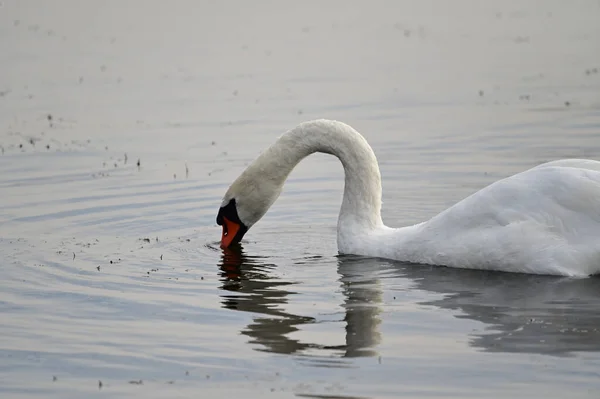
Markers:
(545, 220)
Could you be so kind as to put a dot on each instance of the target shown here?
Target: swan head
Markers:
(245, 203)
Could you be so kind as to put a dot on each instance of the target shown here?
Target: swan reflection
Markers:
(521, 313)
(250, 288)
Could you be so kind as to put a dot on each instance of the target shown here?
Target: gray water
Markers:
(113, 283)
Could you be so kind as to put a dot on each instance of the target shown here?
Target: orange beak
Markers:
(230, 230)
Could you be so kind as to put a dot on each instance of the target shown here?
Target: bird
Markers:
(544, 220)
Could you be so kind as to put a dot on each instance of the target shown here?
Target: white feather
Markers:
(545, 220)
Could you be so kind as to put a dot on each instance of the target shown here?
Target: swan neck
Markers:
(361, 204)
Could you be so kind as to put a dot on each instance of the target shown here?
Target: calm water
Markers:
(113, 284)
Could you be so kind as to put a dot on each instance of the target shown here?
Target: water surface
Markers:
(122, 125)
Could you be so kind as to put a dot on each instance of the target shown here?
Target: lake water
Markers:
(123, 123)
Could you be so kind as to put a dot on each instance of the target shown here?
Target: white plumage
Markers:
(545, 220)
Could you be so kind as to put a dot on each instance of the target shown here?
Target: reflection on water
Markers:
(521, 313)
(250, 288)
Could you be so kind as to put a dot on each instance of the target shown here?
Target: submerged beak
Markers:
(231, 231)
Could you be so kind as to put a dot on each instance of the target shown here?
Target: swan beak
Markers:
(230, 233)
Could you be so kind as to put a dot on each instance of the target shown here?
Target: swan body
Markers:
(545, 220)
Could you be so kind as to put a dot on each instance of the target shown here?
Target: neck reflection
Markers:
(250, 286)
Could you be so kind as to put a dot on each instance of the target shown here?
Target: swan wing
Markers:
(545, 220)
(588, 164)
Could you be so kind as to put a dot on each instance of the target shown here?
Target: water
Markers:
(112, 280)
